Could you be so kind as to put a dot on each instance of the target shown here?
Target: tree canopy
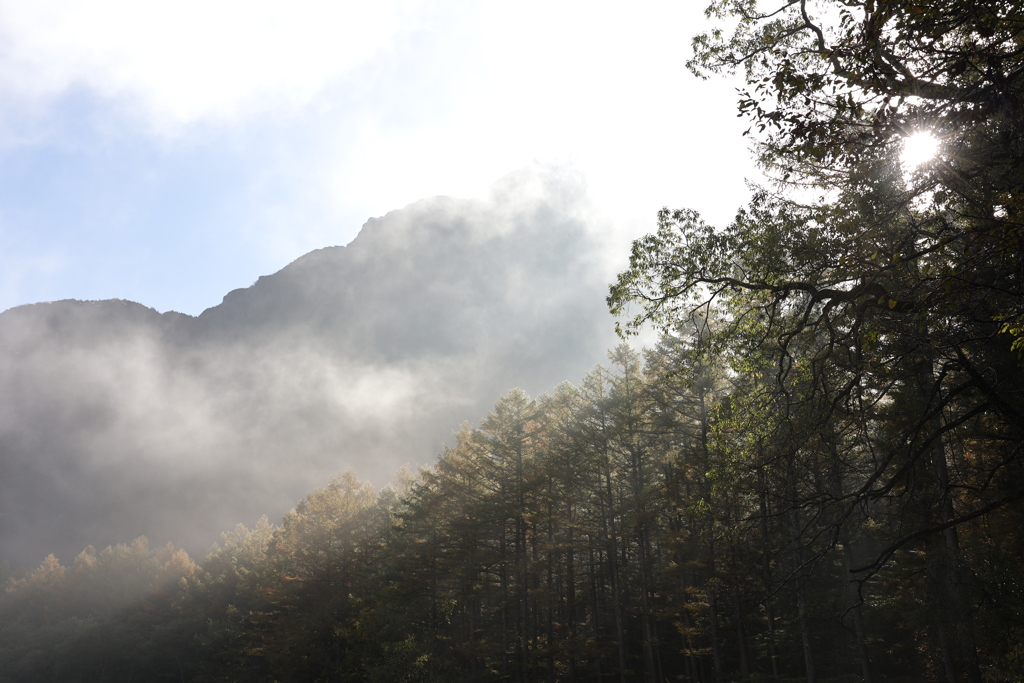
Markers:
(887, 296)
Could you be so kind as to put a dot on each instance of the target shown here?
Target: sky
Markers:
(169, 152)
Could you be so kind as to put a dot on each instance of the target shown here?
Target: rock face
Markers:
(118, 421)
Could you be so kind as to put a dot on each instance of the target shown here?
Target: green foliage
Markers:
(886, 300)
(661, 519)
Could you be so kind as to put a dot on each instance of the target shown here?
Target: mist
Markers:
(119, 421)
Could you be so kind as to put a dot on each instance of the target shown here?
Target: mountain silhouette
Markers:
(119, 421)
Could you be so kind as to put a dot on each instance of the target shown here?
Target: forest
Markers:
(816, 474)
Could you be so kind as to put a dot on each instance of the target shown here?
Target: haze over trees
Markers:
(118, 421)
(815, 474)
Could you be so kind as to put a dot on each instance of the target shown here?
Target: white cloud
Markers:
(584, 83)
(186, 60)
(385, 102)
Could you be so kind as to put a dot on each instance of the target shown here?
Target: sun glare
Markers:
(918, 149)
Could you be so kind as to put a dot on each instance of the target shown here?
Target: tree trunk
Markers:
(855, 613)
(741, 636)
(616, 588)
(801, 598)
(716, 651)
(766, 564)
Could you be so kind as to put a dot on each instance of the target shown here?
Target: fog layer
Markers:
(118, 421)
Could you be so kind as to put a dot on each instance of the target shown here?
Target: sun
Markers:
(918, 149)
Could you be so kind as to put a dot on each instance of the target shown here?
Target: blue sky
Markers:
(168, 152)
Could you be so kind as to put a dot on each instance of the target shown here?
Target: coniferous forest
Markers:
(817, 473)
